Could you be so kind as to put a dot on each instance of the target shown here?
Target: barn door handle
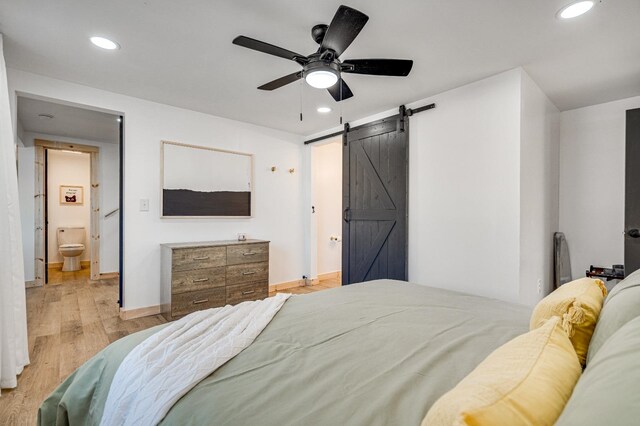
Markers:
(633, 233)
(347, 215)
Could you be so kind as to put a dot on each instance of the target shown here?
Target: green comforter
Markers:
(376, 353)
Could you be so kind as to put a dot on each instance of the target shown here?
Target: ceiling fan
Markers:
(323, 69)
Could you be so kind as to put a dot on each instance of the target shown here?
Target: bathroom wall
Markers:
(67, 168)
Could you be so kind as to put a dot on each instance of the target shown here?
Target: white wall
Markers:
(67, 168)
(327, 199)
(26, 186)
(464, 189)
(539, 182)
(109, 167)
(592, 182)
(278, 196)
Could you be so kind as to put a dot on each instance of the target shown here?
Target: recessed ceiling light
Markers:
(323, 109)
(575, 9)
(45, 116)
(104, 43)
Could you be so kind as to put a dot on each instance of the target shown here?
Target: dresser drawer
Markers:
(197, 279)
(247, 253)
(247, 272)
(198, 258)
(185, 303)
(243, 292)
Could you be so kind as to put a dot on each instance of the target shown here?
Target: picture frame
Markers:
(71, 195)
(198, 182)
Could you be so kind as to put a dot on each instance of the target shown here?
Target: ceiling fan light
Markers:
(321, 79)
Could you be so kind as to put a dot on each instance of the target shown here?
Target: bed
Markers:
(380, 352)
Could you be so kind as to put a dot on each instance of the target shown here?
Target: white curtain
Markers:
(14, 351)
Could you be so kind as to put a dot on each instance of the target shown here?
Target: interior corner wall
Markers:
(592, 183)
(539, 190)
(464, 188)
(67, 168)
(278, 196)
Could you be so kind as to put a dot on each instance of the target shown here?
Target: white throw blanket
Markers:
(165, 366)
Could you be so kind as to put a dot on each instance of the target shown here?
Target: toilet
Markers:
(71, 247)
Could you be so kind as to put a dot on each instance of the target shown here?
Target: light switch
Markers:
(144, 204)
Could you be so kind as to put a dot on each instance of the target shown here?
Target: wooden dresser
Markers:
(207, 275)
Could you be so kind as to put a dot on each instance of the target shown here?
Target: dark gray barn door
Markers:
(632, 194)
(374, 228)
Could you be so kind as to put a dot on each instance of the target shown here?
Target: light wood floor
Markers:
(70, 320)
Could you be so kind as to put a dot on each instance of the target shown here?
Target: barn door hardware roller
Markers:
(408, 112)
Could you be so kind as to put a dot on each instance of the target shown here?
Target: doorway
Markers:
(56, 140)
(67, 218)
(326, 190)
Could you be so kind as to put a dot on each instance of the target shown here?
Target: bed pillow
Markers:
(526, 381)
(621, 306)
(607, 392)
(578, 303)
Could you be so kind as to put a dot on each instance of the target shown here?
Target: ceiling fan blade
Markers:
(392, 67)
(282, 81)
(345, 26)
(335, 91)
(267, 48)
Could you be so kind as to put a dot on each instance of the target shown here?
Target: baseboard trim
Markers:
(285, 285)
(31, 284)
(109, 275)
(330, 276)
(127, 314)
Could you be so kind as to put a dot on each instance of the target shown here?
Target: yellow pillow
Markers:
(578, 303)
(525, 381)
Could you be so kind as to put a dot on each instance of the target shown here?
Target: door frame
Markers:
(313, 221)
(40, 198)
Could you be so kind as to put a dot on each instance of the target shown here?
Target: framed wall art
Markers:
(71, 195)
(205, 182)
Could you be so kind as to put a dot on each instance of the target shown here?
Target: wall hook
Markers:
(292, 170)
(273, 168)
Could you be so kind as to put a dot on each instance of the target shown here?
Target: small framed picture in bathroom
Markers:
(71, 195)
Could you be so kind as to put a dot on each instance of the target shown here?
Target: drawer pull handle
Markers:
(249, 273)
(244, 293)
(249, 253)
(201, 258)
(201, 280)
(197, 302)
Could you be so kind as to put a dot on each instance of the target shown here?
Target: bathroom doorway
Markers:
(68, 209)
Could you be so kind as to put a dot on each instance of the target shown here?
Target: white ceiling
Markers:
(68, 121)
(180, 53)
